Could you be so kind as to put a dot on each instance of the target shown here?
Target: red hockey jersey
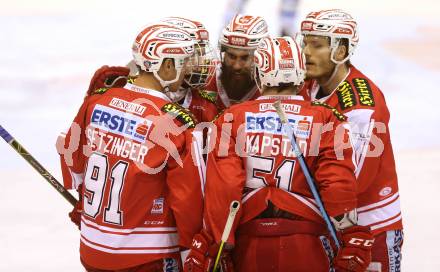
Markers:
(202, 104)
(142, 197)
(253, 162)
(364, 104)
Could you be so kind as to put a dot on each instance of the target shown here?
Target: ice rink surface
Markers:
(50, 49)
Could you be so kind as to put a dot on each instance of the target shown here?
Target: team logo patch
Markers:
(270, 123)
(364, 91)
(346, 96)
(118, 122)
(157, 206)
(385, 191)
(180, 114)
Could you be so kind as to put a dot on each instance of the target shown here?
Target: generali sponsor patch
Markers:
(127, 106)
(288, 108)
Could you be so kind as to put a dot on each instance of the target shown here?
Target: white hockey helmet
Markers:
(159, 41)
(196, 29)
(244, 32)
(335, 24)
(279, 61)
(205, 55)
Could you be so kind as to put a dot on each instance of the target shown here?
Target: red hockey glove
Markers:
(199, 259)
(355, 252)
(108, 76)
(202, 256)
(75, 214)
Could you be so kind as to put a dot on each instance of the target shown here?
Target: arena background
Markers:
(50, 49)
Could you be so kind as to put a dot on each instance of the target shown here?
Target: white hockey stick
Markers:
(233, 209)
(310, 180)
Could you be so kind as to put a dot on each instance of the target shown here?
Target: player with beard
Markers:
(329, 39)
(233, 82)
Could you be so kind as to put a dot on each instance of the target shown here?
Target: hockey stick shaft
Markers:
(36, 165)
(233, 209)
(309, 178)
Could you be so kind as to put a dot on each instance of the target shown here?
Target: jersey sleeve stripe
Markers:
(128, 251)
(132, 240)
(377, 215)
(378, 204)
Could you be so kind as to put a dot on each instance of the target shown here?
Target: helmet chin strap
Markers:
(338, 63)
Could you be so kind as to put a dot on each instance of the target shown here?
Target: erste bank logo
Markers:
(122, 123)
(270, 123)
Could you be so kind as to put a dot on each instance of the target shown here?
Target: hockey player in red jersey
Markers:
(279, 227)
(233, 80)
(330, 38)
(129, 152)
(192, 95)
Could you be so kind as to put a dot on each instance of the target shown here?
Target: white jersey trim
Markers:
(375, 216)
(380, 203)
(122, 231)
(308, 202)
(387, 223)
(130, 240)
(200, 162)
(129, 251)
(77, 179)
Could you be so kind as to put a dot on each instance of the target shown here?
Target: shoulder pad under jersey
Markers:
(181, 114)
(338, 115)
(100, 90)
(210, 96)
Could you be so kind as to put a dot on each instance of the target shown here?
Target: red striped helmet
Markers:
(196, 29)
(203, 62)
(244, 32)
(335, 24)
(279, 60)
(160, 41)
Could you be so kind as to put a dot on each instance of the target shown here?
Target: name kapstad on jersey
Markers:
(131, 131)
(272, 142)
